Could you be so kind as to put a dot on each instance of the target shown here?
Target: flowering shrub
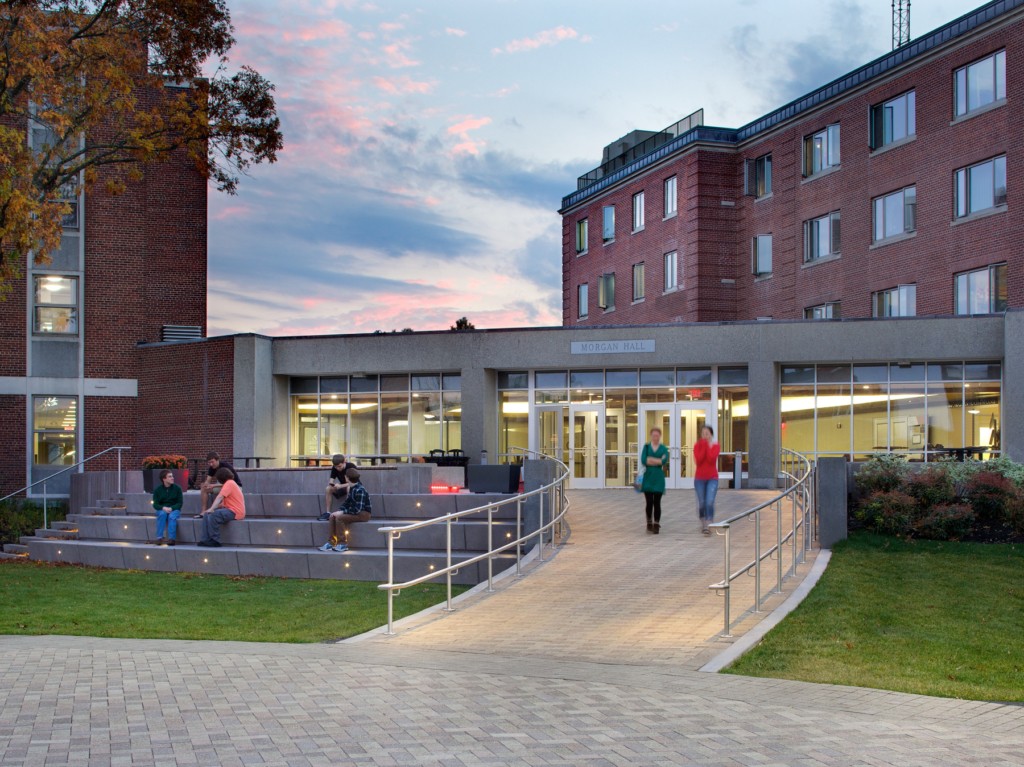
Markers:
(946, 522)
(889, 511)
(931, 487)
(170, 461)
(990, 495)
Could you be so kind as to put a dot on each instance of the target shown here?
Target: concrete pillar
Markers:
(832, 501)
(763, 377)
(479, 414)
(253, 421)
(536, 473)
(1012, 422)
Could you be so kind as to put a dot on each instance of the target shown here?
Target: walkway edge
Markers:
(757, 632)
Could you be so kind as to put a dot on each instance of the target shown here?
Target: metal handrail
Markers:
(556, 499)
(798, 473)
(44, 480)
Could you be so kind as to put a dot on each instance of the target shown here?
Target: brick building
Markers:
(887, 192)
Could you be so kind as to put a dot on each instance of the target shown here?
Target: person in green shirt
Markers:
(654, 459)
(167, 499)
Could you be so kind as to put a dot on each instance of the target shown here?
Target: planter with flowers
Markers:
(152, 465)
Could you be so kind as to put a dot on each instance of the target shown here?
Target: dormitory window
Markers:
(980, 84)
(759, 176)
(582, 236)
(582, 300)
(67, 195)
(762, 258)
(980, 187)
(895, 213)
(608, 224)
(821, 150)
(982, 291)
(638, 282)
(828, 311)
(670, 197)
(671, 271)
(606, 291)
(56, 305)
(638, 211)
(821, 237)
(893, 120)
(900, 301)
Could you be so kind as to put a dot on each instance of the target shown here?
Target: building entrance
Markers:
(680, 425)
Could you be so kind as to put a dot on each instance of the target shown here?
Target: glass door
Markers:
(586, 445)
(551, 432)
(680, 425)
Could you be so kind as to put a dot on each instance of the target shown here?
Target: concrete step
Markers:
(5, 555)
(18, 549)
(66, 525)
(63, 535)
(25, 539)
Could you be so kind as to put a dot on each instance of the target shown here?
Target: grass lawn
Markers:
(925, 617)
(40, 598)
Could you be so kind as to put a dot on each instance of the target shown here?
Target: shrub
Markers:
(884, 472)
(946, 522)
(931, 487)
(890, 512)
(1005, 467)
(990, 495)
(169, 461)
(21, 517)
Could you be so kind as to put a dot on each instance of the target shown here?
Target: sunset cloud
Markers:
(541, 39)
(455, 32)
(403, 84)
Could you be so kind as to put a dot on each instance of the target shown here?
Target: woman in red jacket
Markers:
(705, 482)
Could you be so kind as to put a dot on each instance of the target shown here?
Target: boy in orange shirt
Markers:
(227, 506)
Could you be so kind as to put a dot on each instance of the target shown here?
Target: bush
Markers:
(991, 495)
(946, 522)
(890, 512)
(931, 487)
(1005, 467)
(20, 517)
(884, 472)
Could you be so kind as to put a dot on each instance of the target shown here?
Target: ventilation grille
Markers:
(180, 332)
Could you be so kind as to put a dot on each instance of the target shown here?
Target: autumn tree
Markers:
(102, 88)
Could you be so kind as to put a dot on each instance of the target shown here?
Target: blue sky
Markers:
(428, 145)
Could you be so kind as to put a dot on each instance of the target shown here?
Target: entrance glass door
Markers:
(680, 425)
(586, 445)
(551, 432)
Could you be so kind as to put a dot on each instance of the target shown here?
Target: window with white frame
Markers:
(759, 176)
(582, 236)
(671, 271)
(979, 187)
(608, 223)
(980, 83)
(582, 300)
(982, 291)
(671, 200)
(606, 291)
(821, 237)
(900, 301)
(638, 211)
(829, 311)
(638, 282)
(895, 213)
(762, 255)
(54, 430)
(893, 120)
(821, 150)
(56, 305)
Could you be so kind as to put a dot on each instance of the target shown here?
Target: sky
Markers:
(428, 145)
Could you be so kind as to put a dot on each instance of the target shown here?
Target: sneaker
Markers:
(216, 544)
(205, 543)
(341, 547)
(170, 541)
(326, 547)
(324, 516)
(154, 542)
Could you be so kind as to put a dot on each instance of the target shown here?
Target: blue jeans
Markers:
(168, 519)
(706, 489)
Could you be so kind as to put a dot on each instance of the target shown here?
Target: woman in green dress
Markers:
(654, 459)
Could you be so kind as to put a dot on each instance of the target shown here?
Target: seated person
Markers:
(337, 485)
(210, 484)
(356, 508)
(227, 506)
(167, 499)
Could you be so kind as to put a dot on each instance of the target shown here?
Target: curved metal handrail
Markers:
(555, 493)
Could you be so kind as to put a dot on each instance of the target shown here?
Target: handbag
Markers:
(638, 483)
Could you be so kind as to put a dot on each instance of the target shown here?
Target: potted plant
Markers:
(152, 465)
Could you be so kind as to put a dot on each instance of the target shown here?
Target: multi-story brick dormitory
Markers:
(887, 192)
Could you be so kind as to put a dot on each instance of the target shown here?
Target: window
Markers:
(638, 211)
(582, 236)
(762, 255)
(893, 120)
(982, 291)
(56, 305)
(895, 213)
(608, 224)
(900, 301)
(821, 150)
(582, 300)
(54, 428)
(671, 271)
(670, 197)
(980, 83)
(821, 237)
(980, 187)
(638, 282)
(759, 176)
(606, 292)
(67, 196)
(828, 311)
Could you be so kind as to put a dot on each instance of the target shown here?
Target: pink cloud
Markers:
(548, 37)
(390, 26)
(395, 55)
(467, 124)
(321, 29)
(455, 32)
(403, 84)
(231, 212)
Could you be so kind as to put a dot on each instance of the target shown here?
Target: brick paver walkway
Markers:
(598, 672)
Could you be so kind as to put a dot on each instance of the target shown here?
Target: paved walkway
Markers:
(588, 661)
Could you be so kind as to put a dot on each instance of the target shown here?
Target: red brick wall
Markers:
(13, 340)
(107, 422)
(12, 443)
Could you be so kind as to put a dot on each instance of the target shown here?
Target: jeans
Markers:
(212, 522)
(706, 489)
(168, 519)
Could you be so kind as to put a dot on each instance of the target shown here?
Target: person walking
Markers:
(705, 481)
(654, 459)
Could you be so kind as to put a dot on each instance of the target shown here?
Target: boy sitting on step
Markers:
(356, 508)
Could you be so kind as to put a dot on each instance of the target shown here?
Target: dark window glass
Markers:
(798, 375)
(619, 378)
(363, 383)
(304, 385)
(426, 383)
(551, 380)
(657, 378)
(914, 372)
(453, 381)
(982, 371)
(945, 372)
(871, 373)
(833, 374)
(394, 383)
(586, 379)
(732, 377)
(513, 381)
(334, 385)
(693, 377)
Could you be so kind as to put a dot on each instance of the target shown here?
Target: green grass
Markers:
(39, 598)
(933, 618)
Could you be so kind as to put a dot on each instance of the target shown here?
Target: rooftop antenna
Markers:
(900, 23)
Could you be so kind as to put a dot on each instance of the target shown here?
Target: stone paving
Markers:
(587, 661)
